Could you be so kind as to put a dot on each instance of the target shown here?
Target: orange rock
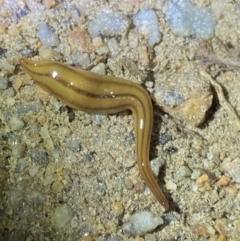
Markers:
(199, 229)
(223, 181)
(79, 39)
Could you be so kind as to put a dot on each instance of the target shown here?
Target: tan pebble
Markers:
(64, 182)
(97, 42)
(88, 238)
(2, 3)
(79, 39)
(16, 82)
(49, 3)
(139, 238)
(202, 180)
(143, 55)
(221, 238)
(117, 207)
(3, 28)
(199, 229)
(223, 181)
(221, 226)
(14, 31)
(46, 52)
(59, 170)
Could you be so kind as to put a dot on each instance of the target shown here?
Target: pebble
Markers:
(156, 164)
(186, 19)
(141, 223)
(185, 95)
(46, 52)
(42, 158)
(113, 47)
(80, 58)
(62, 216)
(117, 207)
(184, 171)
(149, 237)
(5, 65)
(99, 69)
(223, 181)
(165, 138)
(16, 123)
(33, 170)
(79, 39)
(232, 167)
(109, 24)
(3, 84)
(202, 180)
(18, 150)
(146, 23)
(170, 185)
(74, 145)
(25, 108)
(47, 36)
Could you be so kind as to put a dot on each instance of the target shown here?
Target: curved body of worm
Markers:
(94, 93)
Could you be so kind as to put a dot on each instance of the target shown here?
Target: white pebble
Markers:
(62, 216)
(232, 167)
(109, 24)
(156, 164)
(99, 69)
(16, 123)
(149, 237)
(113, 46)
(186, 19)
(170, 185)
(33, 170)
(184, 171)
(141, 223)
(147, 24)
(47, 36)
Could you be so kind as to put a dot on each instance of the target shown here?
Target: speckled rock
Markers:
(109, 24)
(62, 216)
(79, 39)
(16, 123)
(141, 223)
(185, 95)
(232, 167)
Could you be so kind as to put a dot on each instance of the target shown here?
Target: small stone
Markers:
(80, 58)
(49, 3)
(88, 238)
(232, 167)
(165, 138)
(117, 207)
(57, 186)
(199, 229)
(141, 223)
(156, 164)
(25, 108)
(79, 39)
(62, 216)
(18, 150)
(113, 46)
(33, 170)
(186, 95)
(223, 181)
(149, 237)
(47, 36)
(16, 82)
(16, 123)
(147, 24)
(74, 145)
(46, 52)
(109, 24)
(184, 171)
(202, 180)
(99, 69)
(3, 84)
(170, 185)
(40, 157)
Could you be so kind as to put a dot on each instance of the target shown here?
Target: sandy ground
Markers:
(99, 179)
